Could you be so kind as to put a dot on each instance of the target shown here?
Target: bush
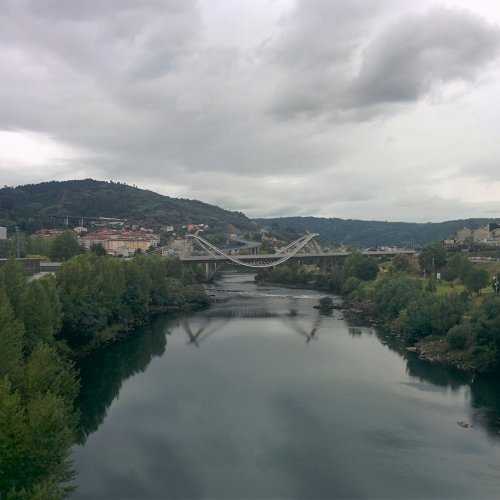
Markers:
(458, 336)
(325, 302)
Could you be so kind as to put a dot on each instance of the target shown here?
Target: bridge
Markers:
(303, 248)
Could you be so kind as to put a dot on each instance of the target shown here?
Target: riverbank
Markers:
(332, 411)
(120, 331)
(432, 350)
(365, 313)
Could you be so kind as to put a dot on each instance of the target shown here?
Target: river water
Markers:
(261, 396)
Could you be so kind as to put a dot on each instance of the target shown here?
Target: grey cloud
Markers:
(140, 92)
(102, 41)
(401, 64)
(488, 170)
(408, 59)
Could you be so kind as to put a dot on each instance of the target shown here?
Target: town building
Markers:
(121, 243)
(3, 233)
(49, 233)
(486, 235)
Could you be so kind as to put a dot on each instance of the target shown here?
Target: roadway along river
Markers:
(261, 396)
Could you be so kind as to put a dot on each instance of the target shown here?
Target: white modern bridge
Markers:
(303, 248)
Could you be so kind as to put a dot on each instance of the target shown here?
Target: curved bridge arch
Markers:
(293, 249)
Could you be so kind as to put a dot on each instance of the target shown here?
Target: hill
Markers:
(30, 206)
(375, 233)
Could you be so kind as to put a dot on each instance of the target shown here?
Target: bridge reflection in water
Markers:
(215, 320)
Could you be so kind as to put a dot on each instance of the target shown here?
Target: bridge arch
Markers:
(290, 250)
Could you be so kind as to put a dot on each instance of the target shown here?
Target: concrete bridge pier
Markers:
(322, 266)
(211, 269)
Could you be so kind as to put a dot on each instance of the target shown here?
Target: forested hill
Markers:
(375, 233)
(29, 206)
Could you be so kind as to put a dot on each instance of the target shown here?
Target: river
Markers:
(261, 396)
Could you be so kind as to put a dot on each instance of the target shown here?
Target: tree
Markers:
(393, 292)
(432, 257)
(325, 302)
(40, 313)
(401, 262)
(476, 279)
(458, 266)
(14, 281)
(431, 315)
(359, 266)
(36, 437)
(46, 371)
(11, 342)
(65, 246)
(79, 284)
(98, 249)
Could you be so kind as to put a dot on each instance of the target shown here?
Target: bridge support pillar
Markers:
(322, 266)
(210, 269)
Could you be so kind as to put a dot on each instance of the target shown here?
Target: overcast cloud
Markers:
(370, 109)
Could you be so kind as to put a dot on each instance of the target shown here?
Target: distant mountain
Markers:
(30, 206)
(375, 233)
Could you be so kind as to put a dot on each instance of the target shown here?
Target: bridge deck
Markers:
(271, 257)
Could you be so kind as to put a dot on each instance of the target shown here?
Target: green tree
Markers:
(39, 245)
(401, 262)
(65, 246)
(14, 280)
(137, 291)
(325, 302)
(458, 265)
(79, 286)
(393, 292)
(359, 266)
(11, 342)
(475, 279)
(432, 257)
(35, 443)
(98, 249)
(431, 315)
(40, 316)
(459, 336)
(46, 371)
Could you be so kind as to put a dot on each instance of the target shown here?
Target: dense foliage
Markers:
(457, 317)
(101, 294)
(374, 233)
(30, 206)
(37, 390)
(343, 277)
(89, 300)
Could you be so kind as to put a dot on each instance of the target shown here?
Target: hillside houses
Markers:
(488, 235)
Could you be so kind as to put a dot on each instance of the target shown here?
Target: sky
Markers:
(358, 109)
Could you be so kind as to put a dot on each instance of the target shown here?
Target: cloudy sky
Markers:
(368, 109)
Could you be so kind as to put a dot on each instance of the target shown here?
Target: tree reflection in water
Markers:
(104, 370)
(483, 390)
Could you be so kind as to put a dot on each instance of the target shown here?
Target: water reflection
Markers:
(104, 371)
(202, 333)
(485, 401)
(482, 390)
(294, 325)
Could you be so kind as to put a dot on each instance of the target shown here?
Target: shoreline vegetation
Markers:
(94, 300)
(454, 320)
(45, 325)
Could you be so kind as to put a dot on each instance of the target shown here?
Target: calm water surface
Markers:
(260, 396)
